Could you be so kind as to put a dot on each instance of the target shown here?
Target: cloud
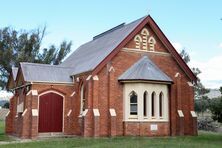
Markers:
(177, 46)
(211, 69)
(220, 45)
(4, 95)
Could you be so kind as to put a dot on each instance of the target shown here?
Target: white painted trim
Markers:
(190, 84)
(73, 94)
(23, 114)
(112, 112)
(7, 113)
(142, 81)
(29, 92)
(140, 88)
(180, 113)
(69, 113)
(85, 112)
(111, 69)
(177, 74)
(95, 78)
(52, 91)
(88, 78)
(142, 51)
(193, 114)
(96, 112)
(34, 92)
(135, 120)
(81, 99)
(35, 112)
(20, 107)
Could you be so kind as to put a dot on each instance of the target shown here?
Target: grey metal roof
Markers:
(33, 72)
(144, 69)
(14, 72)
(89, 55)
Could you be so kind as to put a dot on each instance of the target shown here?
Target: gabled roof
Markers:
(148, 20)
(91, 54)
(12, 78)
(144, 69)
(94, 55)
(33, 72)
(14, 72)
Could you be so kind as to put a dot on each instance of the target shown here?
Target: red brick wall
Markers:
(107, 93)
(121, 62)
(143, 129)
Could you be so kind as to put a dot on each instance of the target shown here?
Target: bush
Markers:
(207, 124)
(216, 108)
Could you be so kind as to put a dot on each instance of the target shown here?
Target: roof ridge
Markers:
(44, 65)
(122, 25)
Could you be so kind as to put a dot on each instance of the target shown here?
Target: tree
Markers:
(185, 56)
(6, 105)
(199, 88)
(202, 104)
(220, 90)
(25, 46)
(216, 108)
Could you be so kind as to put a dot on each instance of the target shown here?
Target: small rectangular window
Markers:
(133, 109)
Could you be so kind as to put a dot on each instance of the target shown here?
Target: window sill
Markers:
(145, 120)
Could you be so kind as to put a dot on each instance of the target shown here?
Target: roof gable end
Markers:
(144, 69)
(148, 20)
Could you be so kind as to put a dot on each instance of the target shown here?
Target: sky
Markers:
(192, 25)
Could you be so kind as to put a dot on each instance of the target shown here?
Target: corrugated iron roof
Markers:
(89, 55)
(14, 72)
(144, 69)
(33, 72)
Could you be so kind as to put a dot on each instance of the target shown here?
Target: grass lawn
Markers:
(3, 137)
(205, 139)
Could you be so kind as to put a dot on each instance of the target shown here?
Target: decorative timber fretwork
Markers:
(144, 41)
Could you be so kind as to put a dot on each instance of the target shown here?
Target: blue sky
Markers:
(194, 25)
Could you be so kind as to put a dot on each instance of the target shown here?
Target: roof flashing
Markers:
(108, 31)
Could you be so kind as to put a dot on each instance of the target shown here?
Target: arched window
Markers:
(145, 34)
(161, 104)
(145, 95)
(138, 41)
(133, 103)
(82, 98)
(153, 98)
(152, 43)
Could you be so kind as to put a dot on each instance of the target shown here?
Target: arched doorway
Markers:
(50, 112)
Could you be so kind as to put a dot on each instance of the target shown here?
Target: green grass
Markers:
(204, 140)
(3, 137)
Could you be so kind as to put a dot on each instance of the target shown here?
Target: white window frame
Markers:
(131, 115)
(82, 99)
(139, 89)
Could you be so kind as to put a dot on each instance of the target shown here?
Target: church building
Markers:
(128, 80)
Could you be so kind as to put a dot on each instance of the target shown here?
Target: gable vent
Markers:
(108, 31)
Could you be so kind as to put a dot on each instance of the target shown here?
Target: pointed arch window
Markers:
(138, 41)
(145, 100)
(133, 103)
(82, 99)
(153, 98)
(145, 34)
(152, 43)
(161, 104)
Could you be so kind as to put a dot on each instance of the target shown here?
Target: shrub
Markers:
(207, 124)
(216, 108)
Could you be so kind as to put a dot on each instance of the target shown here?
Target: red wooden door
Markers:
(50, 113)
